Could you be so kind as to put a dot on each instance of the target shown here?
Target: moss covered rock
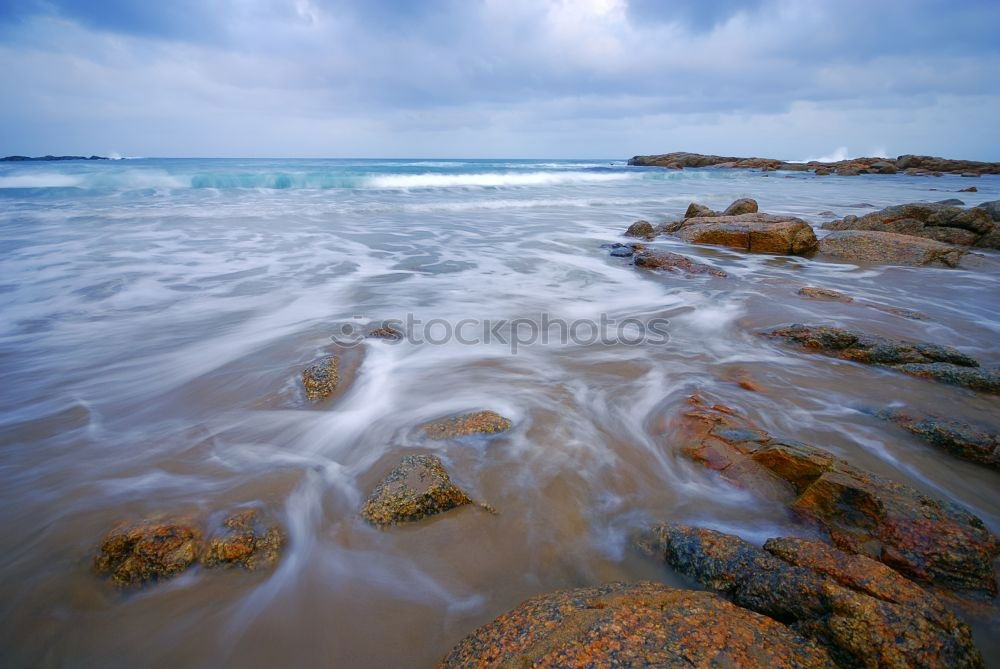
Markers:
(477, 422)
(321, 378)
(418, 487)
(246, 541)
(134, 554)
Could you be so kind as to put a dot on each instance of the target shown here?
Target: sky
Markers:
(791, 79)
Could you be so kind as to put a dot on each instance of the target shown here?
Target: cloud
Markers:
(501, 77)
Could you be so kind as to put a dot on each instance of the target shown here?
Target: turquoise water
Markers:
(157, 313)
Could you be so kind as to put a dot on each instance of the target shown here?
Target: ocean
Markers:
(157, 314)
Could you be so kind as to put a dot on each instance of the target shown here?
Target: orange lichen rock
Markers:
(634, 624)
(246, 542)
(929, 540)
(479, 422)
(321, 378)
(134, 554)
(863, 612)
(418, 487)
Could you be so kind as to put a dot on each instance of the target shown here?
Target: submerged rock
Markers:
(888, 247)
(757, 233)
(863, 612)
(824, 294)
(930, 220)
(640, 229)
(965, 441)
(675, 262)
(134, 554)
(634, 625)
(418, 487)
(744, 205)
(924, 359)
(477, 422)
(970, 189)
(246, 542)
(321, 378)
(929, 540)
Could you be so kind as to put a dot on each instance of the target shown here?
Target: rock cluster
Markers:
(156, 549)
(923, 359)
(932, 220)
(864, 613)
(928, 540)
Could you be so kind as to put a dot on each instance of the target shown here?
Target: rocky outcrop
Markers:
(864, 613)
(640, 229)
(135, 554)
(757, 233)
(889, 248)
(321, 378)
(927, 360)
(914, 165)
(245, 541)
(418, 487)
(675, 262)
(928, 540)
(21, 159)
(633, 625)
(962, 440)
(932, 220)
(477, 422)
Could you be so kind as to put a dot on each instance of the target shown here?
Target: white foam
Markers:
(492, 179)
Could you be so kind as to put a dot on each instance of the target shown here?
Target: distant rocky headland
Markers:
(909, 164)
(20, 159)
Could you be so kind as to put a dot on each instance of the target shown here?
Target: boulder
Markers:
(385, 331)
(321, 378)
(992, 209)
(418, 487)
(134, 554)
(822, 172)
(923, 359)
(863, 612)
(953, 201)
(889, 248)
(824, 294)
(696, 210)
(933, 220)
(640, 229)
(744, 205)
(928, 540)
(970, 189)
(962, 440)
(757, 233)
(633, 625)
(246, 541)
(619, 250)
(675, 262)
(477, 422)
(883, 167)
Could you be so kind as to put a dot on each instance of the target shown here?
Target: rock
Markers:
(848, 171)
(822, 172)
(928, 540)
(134, 554)
(640, 229)
(824, 294)
(620, 250)
(992, 209)
(863, 612)
(633, 625)
(933, 220)
(757, 233)
(385, 331)
(321, 378)
(696, 210)
(246, 542)
(952, 201)
(970, 189)
(674, 262)
(971, 175)
(923, 359)
(478, 422)
(964, 441)
(883, 167)
(889, 248)
(744, 205)
(935, 164)
(418, 487)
